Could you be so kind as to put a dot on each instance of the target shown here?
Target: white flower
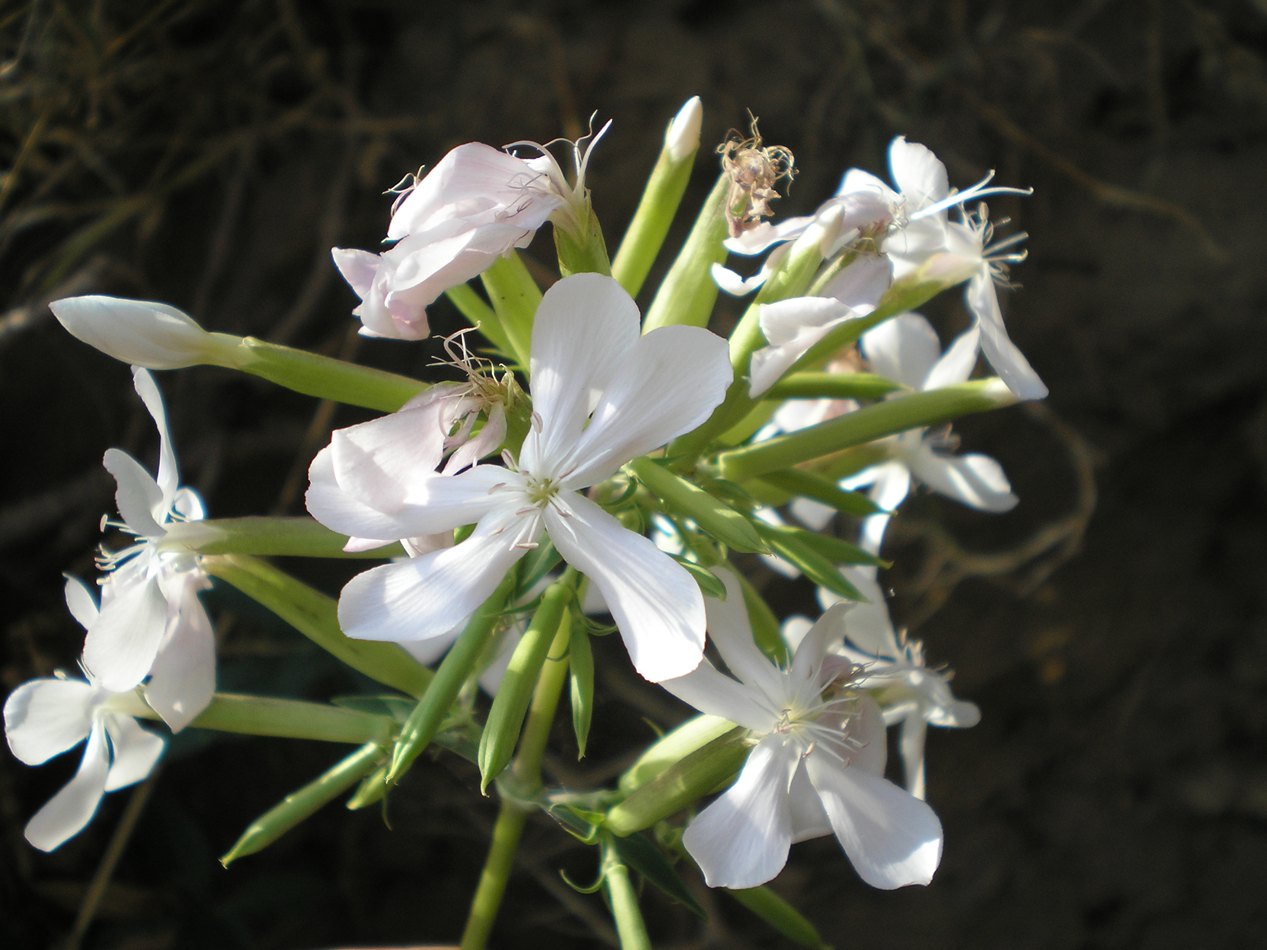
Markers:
(46, 717)
(475, 205)
(816, 768)
(912, 695)
(151, 620)
(972, 252)
(905, 349)
(602, 395)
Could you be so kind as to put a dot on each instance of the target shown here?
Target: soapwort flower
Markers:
(151, 621)
(906, 350)
(475, 205)
(46, 717)
(601, 395)
(816, 767)
(912, 695)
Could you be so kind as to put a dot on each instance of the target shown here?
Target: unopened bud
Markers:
(139, 332)
(681, 140)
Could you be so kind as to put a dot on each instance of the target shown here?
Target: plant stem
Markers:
(630, 927)
(513, 812)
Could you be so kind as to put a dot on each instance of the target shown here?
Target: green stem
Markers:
(279, 718)
(865, 425)
(630, 927)
(270, 537)
(512, 813)
(315, 375)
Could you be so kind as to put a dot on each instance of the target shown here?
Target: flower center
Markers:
(542, 491)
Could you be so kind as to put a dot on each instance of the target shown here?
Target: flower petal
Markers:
(80, 601)
(743, 838)
(137, 495)
(999, 350)
(376, 460)
(918, 173)
(974, 480)
(120, 647)
(654, 601)
(168, 477)
(911, 749)
(183, 677)
(584, 330)
(892, 838)
(957, 363)
(716, 694)
(431, 596)
(45, 717)
(136, 751)
(792, 326)
(903, 349)
(668, 383)
(72, 808)
(730, 629)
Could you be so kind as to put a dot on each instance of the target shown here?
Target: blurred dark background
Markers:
(1111, 628)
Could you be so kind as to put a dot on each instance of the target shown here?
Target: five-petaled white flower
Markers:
(912, 695)
(151, 621)
(475, 205)
(601, 395)
(816, 768)
(906, 350)
(46, 717)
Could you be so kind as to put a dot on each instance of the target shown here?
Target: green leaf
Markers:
(640, 853)
(708, 583)
(780, 915)
(792, 545)
(765, 625)
(687, 500)
(581, 666)
(304, 802)
(796, 481)
(510, 705)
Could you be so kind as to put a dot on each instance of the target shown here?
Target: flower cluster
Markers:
(588, 461)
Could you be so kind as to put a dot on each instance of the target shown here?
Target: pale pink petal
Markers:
(120, 647)
(432, 596)
(357, 267)
(136, 751)
(585, 329)
(892, 838)
(743, 838)
(476, 182)
(376, 460)
(668, 384)
(45, 717)
(861, 284)
(656, 604)
(72, 808)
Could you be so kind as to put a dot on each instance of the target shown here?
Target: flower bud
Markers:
(139, 332)
(682, 138)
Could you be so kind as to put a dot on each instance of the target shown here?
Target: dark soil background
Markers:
(1111, 628)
